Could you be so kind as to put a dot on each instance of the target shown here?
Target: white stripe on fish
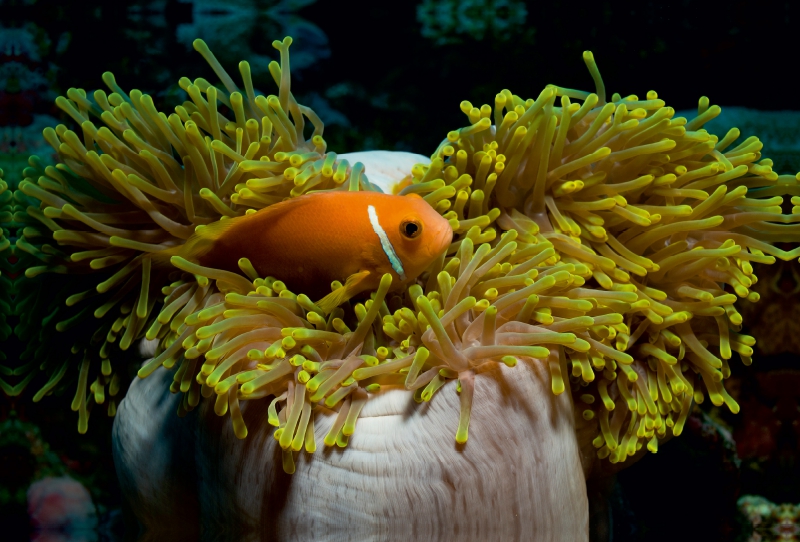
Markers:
(388, 249)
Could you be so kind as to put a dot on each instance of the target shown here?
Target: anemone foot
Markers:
(401, 476)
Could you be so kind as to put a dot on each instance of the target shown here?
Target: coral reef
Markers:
(608, 239)
(777, 130)
(61, 504)
(445, 21)
(778, 312)
(233, 29)
(770, 521)
(31, 455)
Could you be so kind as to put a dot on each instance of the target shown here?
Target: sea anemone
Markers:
(139, 183)
(6, 196)
(608, 240)
(662, 219)
(5, 201)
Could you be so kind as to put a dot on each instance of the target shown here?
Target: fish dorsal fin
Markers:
(340, 295)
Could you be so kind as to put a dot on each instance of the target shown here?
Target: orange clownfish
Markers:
(310, 241)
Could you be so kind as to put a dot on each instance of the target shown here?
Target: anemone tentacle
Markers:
(133, 181)
(608, 239)
(658, 224)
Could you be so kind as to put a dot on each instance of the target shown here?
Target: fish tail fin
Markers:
(200, 243)
(352, 286)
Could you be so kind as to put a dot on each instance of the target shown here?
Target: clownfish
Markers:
(312, 240)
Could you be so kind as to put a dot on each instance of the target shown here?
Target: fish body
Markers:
(310, 241)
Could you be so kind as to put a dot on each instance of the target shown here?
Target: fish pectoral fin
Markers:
(351, 287)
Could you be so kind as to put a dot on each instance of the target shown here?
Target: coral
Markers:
(61, 504)
(777, 314)
(25, 94)
(31, 456)
(234, 27)
(770, 521)
(444, 20)
(608, 239)
(777, 130)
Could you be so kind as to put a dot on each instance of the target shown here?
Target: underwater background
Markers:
(390, 76)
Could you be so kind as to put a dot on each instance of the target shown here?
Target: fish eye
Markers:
(410, 229)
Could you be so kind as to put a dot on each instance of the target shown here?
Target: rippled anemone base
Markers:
(400, 476)
(600, 249)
